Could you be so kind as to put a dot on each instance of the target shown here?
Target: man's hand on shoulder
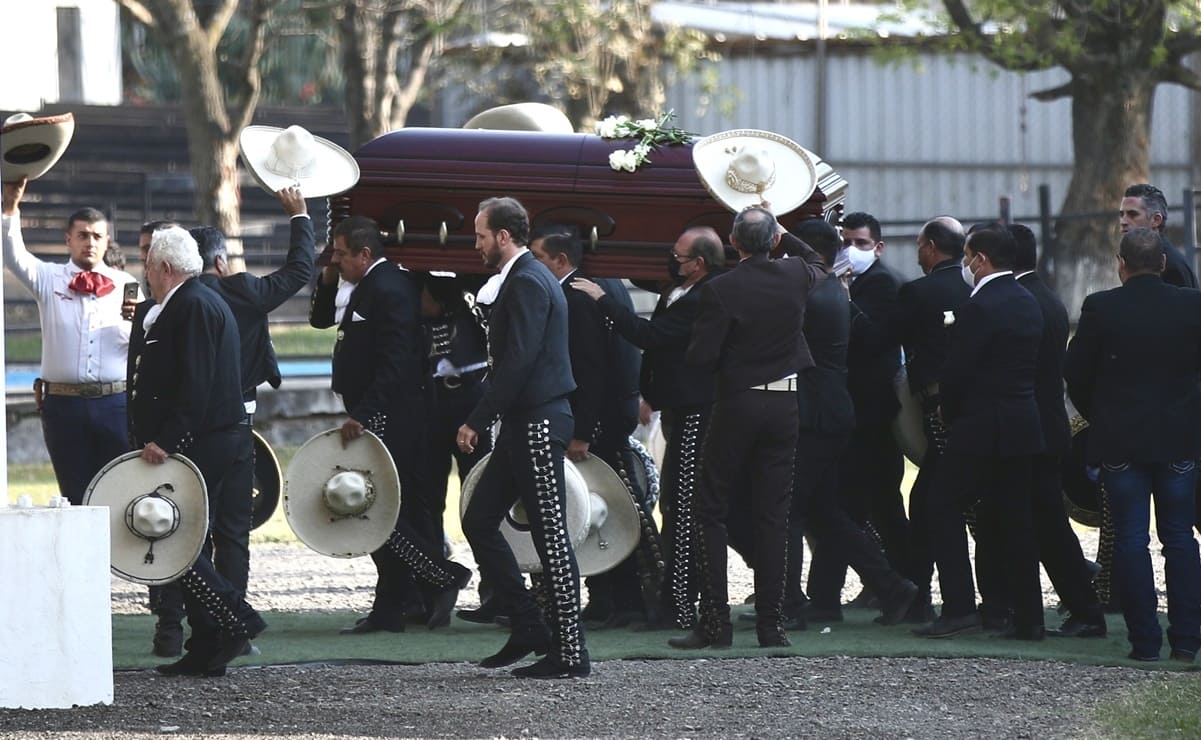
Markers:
(292, 201)
(588, 288)
(13, 193)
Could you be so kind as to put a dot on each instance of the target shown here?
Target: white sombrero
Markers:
(613, 524)
(282, 157)
(523, 117)
(158, 516)
(515, 527)
(30, 146)
(342, 502)
(744, 167)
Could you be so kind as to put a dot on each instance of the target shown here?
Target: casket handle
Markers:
(593, 238)
(400, 232)
(442, 234)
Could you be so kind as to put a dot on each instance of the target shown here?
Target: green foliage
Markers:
(1167, 708)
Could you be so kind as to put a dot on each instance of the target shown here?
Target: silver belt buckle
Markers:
(91, 390)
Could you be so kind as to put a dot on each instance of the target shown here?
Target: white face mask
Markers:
(860, 259)
(968, 276)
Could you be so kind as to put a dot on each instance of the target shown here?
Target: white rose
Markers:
(607, 128)
(647, 124)
(948, 318)
(630, 162)
(617, 159)
(641, 150)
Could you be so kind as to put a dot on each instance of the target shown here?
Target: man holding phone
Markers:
(84, 343)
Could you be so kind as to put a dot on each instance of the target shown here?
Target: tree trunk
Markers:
(1111, 141)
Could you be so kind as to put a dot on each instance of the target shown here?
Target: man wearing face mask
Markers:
(988, 402)
(683, 393)
(872, 466)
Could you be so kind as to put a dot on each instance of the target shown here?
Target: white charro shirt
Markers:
(84, 338)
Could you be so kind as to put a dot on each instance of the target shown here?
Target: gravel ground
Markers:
(763, 697)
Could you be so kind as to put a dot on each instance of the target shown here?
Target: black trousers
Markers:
(228, 542)
(920, 567)
(1000, 489)
(836, 537)
(448, 409)
(752, 432)
(527, 466)
(870, 485)
(214, 605)
(684, 429)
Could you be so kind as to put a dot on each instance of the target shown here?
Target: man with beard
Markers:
(527, 389)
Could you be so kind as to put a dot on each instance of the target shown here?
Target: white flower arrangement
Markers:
(650, 132)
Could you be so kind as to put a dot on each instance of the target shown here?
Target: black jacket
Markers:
(749, 326)
(1177, 270)
(184, 374)
(874, 353)
(377, 363)
(824, 402)
(919, 320)
(527, 340)
(667, 379)
(1132, 371)
(1052, 350)
(251, 298)
(987, 382)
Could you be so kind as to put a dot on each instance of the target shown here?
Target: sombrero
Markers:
(745, 167)
(279, 158)
(515, 527)
(31, 146)
(613, 524)
(523, 117)
(342, 502)
(158, 516)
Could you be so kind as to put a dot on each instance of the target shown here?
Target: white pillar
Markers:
(56, 641)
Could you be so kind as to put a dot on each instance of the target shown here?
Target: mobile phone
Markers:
(131, 291)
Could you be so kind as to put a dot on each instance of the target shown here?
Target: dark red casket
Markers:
(424, 185)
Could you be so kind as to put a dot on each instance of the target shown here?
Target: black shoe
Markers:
(1073, 627)
(821, 615)
(255, 624)
(1183, 656)
(795, 624)
(523, 641)
(1143, 657)
(168, 640)
(1032, 633)
(365, 626)
(865, 600)
(996, 623)
(443, 602)
(596, 612)
(700, 638)
(944, 627)
(486, 614)
(772, 636)
(193, 663)
(548, 667)
(228, 648)
(921, 611)
(897, 605)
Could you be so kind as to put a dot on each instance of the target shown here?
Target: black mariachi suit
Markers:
(251, 298)
(749, 331)
(1177, 270)
(527, 389)
(684, 394)
(377, 369)
(987, 399)
(873, 466)
(185, 396)
(925, 338)
(605, 406)
(1058, 547)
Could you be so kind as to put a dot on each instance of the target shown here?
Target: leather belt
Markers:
(84, 390)
(454, 382)
(787, 384)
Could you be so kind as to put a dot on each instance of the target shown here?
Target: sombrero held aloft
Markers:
(30, 146)
(746, 167)
(282, 157)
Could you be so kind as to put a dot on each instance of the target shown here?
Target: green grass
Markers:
(1168, 708)
(291, 340)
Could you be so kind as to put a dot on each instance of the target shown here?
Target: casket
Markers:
(424, 185)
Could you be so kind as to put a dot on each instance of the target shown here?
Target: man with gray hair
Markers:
(749, 331)
(185, 397)
(1144, 206)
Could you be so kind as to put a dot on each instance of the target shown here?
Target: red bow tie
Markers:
(91, 282)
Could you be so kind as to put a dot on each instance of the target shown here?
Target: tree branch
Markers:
(1182, 44)
(220, 21)
(139, 11)
(251, 81)
(1054, 93)
(988, 47)
(1180, 75)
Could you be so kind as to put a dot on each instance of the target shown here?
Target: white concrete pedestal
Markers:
(56, 640)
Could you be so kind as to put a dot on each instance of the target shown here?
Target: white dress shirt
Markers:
(984, 280)
(84, 338)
